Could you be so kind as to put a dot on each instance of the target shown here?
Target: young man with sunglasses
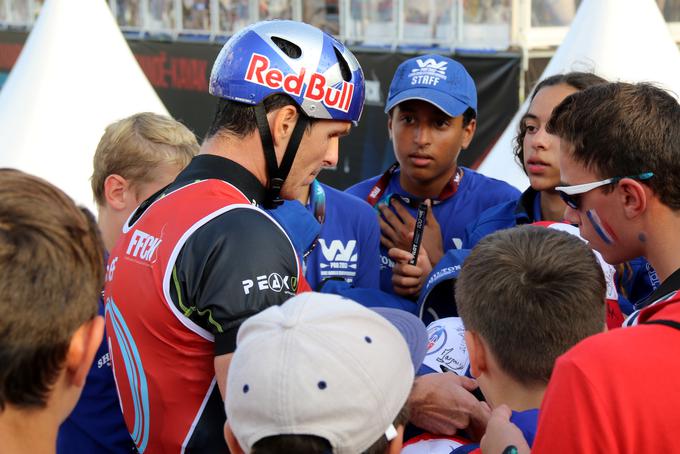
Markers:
(620, 164)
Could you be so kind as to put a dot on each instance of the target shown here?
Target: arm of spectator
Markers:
(408, 279)
(501, 433)
(221, 372)
(442, 404)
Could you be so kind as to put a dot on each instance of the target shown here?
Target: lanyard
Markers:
(376, 194)
(317, 201)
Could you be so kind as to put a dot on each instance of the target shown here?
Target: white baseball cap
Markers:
(321, 365)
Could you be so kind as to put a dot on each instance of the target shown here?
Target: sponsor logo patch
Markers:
(142, 245)
(260, 72)
(274, 282)
(428, 72)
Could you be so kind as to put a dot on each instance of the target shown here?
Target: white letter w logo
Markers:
(431, 63)
(338, 251)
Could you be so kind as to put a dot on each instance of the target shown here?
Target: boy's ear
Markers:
(395, 446)
(477, 353)
(230, 438)
(633, 197)
(468, 133)
(389, 126)
(115, 191)
(84, 345)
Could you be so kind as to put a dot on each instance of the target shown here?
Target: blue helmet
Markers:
(253, 65)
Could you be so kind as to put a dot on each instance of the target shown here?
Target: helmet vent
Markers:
(344, 67)
(287, 47)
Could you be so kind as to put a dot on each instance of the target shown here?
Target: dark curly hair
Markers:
(578, 80)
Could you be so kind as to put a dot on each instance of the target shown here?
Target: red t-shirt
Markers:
(617, 392)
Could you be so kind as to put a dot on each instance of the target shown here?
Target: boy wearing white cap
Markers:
(322, 373)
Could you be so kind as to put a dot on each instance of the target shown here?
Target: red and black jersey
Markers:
(191, 265)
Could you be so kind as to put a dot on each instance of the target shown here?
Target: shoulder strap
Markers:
(671, 323)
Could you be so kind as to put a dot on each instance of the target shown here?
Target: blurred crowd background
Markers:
(470, 24)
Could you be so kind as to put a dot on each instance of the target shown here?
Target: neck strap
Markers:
(317, 201)
(277, 174)
(377, 193)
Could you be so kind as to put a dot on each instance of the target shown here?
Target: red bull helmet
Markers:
(252, 65)
(286, 57)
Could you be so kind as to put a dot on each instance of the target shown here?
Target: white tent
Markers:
(75, 75)
(620, 40)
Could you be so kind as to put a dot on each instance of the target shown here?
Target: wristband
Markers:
(511, 449)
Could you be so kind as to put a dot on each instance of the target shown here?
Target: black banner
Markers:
(179, 71)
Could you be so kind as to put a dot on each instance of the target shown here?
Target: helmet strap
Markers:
(277, 174)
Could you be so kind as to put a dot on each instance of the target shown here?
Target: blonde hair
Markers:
(135, 147)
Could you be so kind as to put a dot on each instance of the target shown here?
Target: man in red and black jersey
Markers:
(200, 256)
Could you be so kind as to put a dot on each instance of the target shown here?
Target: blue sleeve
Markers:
(368, 266)
(470, 235)
(501, 216)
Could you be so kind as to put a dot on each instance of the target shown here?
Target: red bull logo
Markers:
(260, 72)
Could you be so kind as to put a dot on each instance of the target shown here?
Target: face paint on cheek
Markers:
(600, 227)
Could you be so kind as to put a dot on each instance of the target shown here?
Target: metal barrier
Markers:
(446, 24)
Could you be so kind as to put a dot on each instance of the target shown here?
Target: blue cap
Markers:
(436, 298)
(436, 79)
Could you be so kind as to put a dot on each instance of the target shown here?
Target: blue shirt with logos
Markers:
(475, 194)
(96, 423)
(348, 244)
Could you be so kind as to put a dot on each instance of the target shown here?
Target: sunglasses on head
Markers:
(572, 194)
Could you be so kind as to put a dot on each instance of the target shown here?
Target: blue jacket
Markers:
(348, 243)
(475, 194)
(525, 210)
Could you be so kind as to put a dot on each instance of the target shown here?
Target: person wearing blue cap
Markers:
(432, 116)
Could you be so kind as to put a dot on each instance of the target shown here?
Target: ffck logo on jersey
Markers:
(259, 72)
(142, 245)
(428, 72)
